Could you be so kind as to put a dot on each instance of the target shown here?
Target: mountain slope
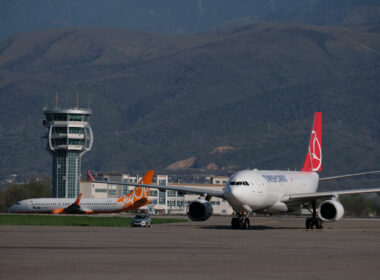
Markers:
(178, 17)
(159, 99)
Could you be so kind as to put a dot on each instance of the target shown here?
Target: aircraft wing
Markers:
(74, 208)
(348, 175)
(304, 197)
(180, 189)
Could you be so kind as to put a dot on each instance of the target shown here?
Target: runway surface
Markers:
(274, 248)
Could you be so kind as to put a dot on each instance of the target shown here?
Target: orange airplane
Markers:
(135, 199)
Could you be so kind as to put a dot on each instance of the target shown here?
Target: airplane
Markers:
(272, 191)
(134, 200)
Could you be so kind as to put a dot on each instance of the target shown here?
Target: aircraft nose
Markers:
(233, 193)
(13, 208)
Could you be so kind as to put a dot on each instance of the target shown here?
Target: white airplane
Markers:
(275, 191)
(135, 199)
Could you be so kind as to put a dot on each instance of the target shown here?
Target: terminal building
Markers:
(69, 136)
(161, 202)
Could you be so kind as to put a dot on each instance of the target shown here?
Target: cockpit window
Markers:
(245, 183)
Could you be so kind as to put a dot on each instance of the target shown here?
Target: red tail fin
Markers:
(90, 175)
(313, 160)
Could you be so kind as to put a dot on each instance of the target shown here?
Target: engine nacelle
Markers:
(331, 210)
(199, 210)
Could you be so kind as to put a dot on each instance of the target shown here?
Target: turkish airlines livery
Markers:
(274, 191)
(135, 199)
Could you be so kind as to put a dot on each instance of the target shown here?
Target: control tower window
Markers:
(49, 117)
(58, 129)
(60, 117)
(76, 141)
(76, 118)
(59, 142)
(76, 130)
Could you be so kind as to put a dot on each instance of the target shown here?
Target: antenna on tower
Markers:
(46, 100)
(56, 99)
(77, 100)
(88, 100)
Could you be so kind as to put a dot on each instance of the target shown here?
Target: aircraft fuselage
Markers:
(254, 190)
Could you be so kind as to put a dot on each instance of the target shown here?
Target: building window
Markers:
(76, 118)
(171, 202)
(76, 141)
(60, 117)
(49, 117)
(112, 192)
(171, 193)
(59, 141)
(76, 130)
(153, 193)
(180, 203)
(162, 198)
(162, 182)
(58, 129)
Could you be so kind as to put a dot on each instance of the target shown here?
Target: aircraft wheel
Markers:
(309, 223)
(246, 223)
(318, 223)
(235, 223)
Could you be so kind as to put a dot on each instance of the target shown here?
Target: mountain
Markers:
(178, 17)
(162, 99)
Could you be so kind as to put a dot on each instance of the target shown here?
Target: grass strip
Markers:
(63, 220)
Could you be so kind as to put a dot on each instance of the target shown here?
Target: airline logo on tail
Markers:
(313, 160)
(139, 196)
(90, 176)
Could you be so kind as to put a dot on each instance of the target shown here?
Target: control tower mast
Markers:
(69, 137)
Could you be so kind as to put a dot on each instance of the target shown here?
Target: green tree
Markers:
(35, 188)
(361, 206)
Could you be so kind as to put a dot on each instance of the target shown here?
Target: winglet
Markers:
(77, 202)
(313, 160)
(90, 175)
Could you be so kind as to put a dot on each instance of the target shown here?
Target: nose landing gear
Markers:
(240, 222)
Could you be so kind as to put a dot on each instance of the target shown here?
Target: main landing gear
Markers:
(240, 222)
(314, 221)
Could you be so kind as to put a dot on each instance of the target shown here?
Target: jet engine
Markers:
(331, 210)
(199, 210)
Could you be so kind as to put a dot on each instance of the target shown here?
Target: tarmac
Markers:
(273, 248)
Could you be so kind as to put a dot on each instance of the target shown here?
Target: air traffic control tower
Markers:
(69, 137)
